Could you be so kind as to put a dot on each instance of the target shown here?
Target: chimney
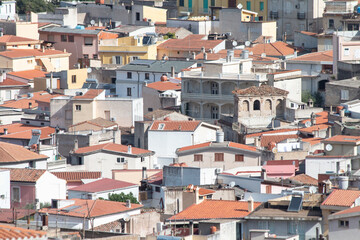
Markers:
(317, 133)
(5, 131)
(191, 225)
(43, 49)
(193, 55)
(76, 144)
(329, 132)
(1, 78)
(172, 71)
(263, 174)
(30, 105)
(250, 204)
(219, 136)
(203, 49)
(256, 141)
(313, 119)
(128, 204)
(144, 175)
(129, 151)
(196, 190)
(132, 129)
(205, 56)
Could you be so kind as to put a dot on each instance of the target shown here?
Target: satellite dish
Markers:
(328, 147)
(126, 217)
(274, 150)
(247, 43)
(234, 43)
(308, 124)
(89, 70)
(232, 184)
(92, 22)
(239, 6)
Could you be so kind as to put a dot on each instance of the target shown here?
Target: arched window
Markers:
(268, 104)
(245, 105)
(256, 105)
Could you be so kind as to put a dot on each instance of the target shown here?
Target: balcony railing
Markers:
(208, 96)
(227, 76)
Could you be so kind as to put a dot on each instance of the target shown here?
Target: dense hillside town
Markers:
(180, 119)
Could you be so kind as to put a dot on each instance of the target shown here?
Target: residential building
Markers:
(21, 233)
(342, 145)
(165, 136)
(303, 219)
(26, 77)
(161, 95)
(8, 10)
(66, 17)
(5, 202)
(335, 13)
(15, 60)
(135, 176)
(338, 92)
(131, 77)
(337, 201)
(344, 223)
(33, 186)
(92, 103)
(306, 40)
(96, 124)
(188, 48)
(102, 188)
(315, 165)
(196, 25)
(219, 154)
(83, 44)
(8, 42)
(10, 88)
(73, 212)
(294, 16)
(110, 156)
(316, 69)
(78, 178)
(179, 32)
(24, 29)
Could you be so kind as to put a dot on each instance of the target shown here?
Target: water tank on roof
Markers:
(358, 10)
(80, 27)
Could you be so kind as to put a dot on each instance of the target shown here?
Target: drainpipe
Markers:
(138, 84)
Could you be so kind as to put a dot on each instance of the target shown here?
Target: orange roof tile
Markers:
(16, 39)
(95, 28)
(196, 146)
(107, 35)
(23, 53)
(266, 139)
(343, 198)
(12, 153)
(349, 210)
(25, 175)
(263, 90)
(308, 33)
(271, 132)
(175, 125)
(193, 42)
(24, 133)
(237, 53)
(305, 179)
(113, 147)
(104, 184)
(277, 49)
(204, 191)
(90, 94)
(163, 86)
(344, 139)
(314, 128)
(321, 118)
(312, 141)
(215, 209)
(8, 232)
(12, 83)
(97, 208)
(325, 56)
(77, 176)
(242, 146)
(164, 30)
(29, 74)
(24, 100)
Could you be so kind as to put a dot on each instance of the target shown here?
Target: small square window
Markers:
(64, 38)
(86, 56)
(129, 75)
(150, 109)
(219, 157)
(88, 41)
(198, 157)
(157, 189)
(78, 107)
(73, 78)
(71, 38)
(95, 56)
(128, 92)
(113, 80)
(120, 160)
(239, 158)
(147, 76)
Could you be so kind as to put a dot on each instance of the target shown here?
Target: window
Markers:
(248, 5)
(86, 56)
(128, 92)
(353, 27)
(15, 194)
(137, 16)
(198, 157)
(147, 76)
(181, 3)
(80, 161)
(133, 58)
(120, 160)
(268, 189)
(129, 75)
(32, 164)
(344, 94)
(239, 158)
(256, 105)
(150, 109)
(71, 38)
(78, 107)
(64, 38)
(346, 51)
(161, 126)
(261, 6)
(73, 78)
(117, 60)
(113, 80)
(219, 157)
(29, 61)
(261, 18)
(95, 56)
(15, 46)
(331, 23)
(213, 3)
(343, 224)
(142, 159)
(88, 41)
(157, 189)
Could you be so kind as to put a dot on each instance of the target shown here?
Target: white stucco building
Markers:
(315, 165)
(345, 223)
(5, 189)
(8, 10)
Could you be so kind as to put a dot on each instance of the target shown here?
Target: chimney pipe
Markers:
(128, 204)
(172, 71)
(5, 131)
(129, 151)
(144, 175)
(196, 195)
(250, 204)
(205, 56)
(30, 105)
(76, 144)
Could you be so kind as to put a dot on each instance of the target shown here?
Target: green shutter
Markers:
(261, 6)
(248, 5)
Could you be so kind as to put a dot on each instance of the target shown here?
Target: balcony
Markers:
(225, 76)
(274, 15)
(301, 15)
(200, 96)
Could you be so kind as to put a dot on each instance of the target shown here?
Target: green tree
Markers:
(122, 197)
(316, 97)
(25, 6)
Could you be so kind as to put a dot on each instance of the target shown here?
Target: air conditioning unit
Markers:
(217, 171)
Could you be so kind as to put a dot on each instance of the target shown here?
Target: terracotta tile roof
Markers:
(23, 53)
(175, 125)
(7, 215)
(163, 86)
(12, 153)
(192, 42)
(312, 141)
(266, 139)
(271, 132)
(308, 33)
(46, 132)
(112, 147)
(16, 39)
(242, 146)
(8, 232)
(277, 49)
(283, 162)
(305, 179)
(29, 74)
(77, 176)
(204, 191)
(325, 56)
(99, 122)
(164, 30)
(343, 198)
(314, 128)
(24, 100)
(344, 139)
(25, 174)
(237, 53)
(42, 24)
(95, 28)
(109, 227)
(328, 156)
(209, 144)
(156, 179)
(263, 90)
(90, 94)
(215, 209)
(349, 210)
(107, 35)
(196, 146)
(104, 184)
(10, 82)
(97, 208)
(321, 118)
